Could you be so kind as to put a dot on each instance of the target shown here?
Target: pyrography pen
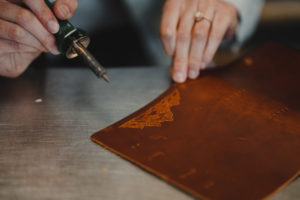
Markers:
(73, 42)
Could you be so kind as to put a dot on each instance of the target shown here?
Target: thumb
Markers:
(64, 9)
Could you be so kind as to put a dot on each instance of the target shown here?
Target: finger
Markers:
(183, 39)
(169, 24)
(200, 36)
(44, 14)
(8, 46)
(23, 17)
(180, 62)
(222, 22)
(64, 9)
(234, 23)
(14, 32)
(14, 64)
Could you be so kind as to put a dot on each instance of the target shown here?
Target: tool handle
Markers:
(65, 29)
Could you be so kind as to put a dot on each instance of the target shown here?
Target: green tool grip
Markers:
(66, 28)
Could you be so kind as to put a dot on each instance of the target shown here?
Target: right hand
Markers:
(26, 32)
(193, 44)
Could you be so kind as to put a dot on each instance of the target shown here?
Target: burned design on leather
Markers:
(188, 173)
(156, 115)
(235, 133)
(155, 155)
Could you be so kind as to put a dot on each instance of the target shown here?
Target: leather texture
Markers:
(234, 133)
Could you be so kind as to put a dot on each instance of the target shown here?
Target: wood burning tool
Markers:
(73, 42)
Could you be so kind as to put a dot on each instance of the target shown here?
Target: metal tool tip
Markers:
(105, 77)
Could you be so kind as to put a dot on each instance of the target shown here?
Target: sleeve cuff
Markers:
(249, 14)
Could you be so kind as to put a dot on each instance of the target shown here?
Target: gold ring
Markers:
(199, 16)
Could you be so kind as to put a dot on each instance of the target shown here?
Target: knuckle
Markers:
(180, 63)
(16, 33)
(23, 16)
(17, 46)
(194, 61)
(71, 4)
(216, 38)
(44, 15)
(47, 41)
(184, 36)
(167, 33)
(200, 34)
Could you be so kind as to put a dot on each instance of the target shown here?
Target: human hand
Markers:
(26, 32)
(194, 44)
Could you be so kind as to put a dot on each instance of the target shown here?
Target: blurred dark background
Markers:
(280, 22)
(116, 40)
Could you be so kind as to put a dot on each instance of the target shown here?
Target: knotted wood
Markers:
(232, 134)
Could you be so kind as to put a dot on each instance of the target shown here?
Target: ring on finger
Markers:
(199, 16)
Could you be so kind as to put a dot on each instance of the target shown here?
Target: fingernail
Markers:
(64, 11)
(55, 51)
(193, 74)
(203, 65)
(53, 26)
(179, 77)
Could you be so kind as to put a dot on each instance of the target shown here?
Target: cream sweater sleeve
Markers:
(249, 13)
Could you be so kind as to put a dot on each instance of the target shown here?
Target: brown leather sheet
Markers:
(232, 134)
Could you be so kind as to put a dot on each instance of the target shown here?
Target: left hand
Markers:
(26, 30)
(194, 44)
